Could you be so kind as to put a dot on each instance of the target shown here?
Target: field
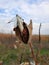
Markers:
(11, 55)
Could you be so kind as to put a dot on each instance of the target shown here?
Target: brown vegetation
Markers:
(44, 40)
(11, 39)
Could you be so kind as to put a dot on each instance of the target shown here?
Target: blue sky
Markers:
(37, 10)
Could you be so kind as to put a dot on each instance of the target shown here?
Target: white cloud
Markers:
(35, 28)
(44, 28)
(34, 11)
(38, 11)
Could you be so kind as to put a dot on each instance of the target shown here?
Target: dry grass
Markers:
(8, 53)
